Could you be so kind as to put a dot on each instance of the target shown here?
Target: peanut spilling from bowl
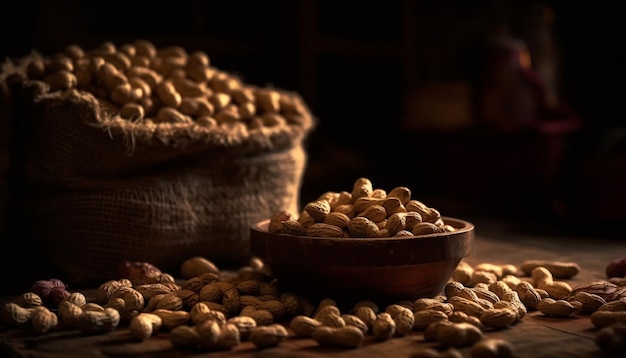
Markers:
(363, 212)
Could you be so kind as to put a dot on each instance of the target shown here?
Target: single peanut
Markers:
(459, 335)
(492, 348)
(558, 308)
(303, 326)
(558, 269)
(384, 327)
(144, 325)
(43, 320)
(268, 336)
(91, 322)
(346, 337)
(185, 337)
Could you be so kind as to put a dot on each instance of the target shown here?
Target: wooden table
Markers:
(496, 242)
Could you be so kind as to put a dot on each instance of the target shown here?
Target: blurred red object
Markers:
(140, 273)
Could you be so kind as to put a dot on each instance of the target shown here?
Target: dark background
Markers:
(400, 89)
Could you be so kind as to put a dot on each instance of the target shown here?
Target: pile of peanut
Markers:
(214, 310)
(364, 212)
(140, 82)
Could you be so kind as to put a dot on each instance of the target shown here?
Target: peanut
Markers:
(431, 332)
(196, 266)
(422, 319)
(43, 320)
(323, 230)
(292, 304)
(590, 302)
(558, 269)
(69, 313)
(172, 318)
(499, 318)
(229, 337)
(453, 288)
(384, 327)
(347, 337)
(366, 314)
(469, 307)
(268, 336)
(200, 312)
(260, 316)
(616, 305)
(616, 268)
(329, 315)
(318, 210)
(91, 322)
(404, 319)
(209, 333)
(603, 318)
(432, 304)
(612, 338)
(557, 308)
(485, 294)
(132, 299)
(528, 295)
(303, 326)
(375, 213)
(352, 320)
(185, 337)
(153, 289)
(459, 335)
(463, 273)
(433, 353)
(244, 325)
(105, 290)
(462, 317)
(14, 315)
(511, 280)
(492, 348)
(362, 227)
(222, 292)
(28, 300)
(144, 325)
(487, 277)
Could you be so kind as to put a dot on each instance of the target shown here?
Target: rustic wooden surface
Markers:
(536, 336)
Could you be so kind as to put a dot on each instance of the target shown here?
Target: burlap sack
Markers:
(89, 190)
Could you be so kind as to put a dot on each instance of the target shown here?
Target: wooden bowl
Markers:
(382, 269)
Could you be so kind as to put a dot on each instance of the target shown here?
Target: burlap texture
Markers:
(90, 191)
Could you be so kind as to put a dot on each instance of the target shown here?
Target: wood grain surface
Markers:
(536, 336)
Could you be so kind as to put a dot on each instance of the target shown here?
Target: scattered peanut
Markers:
(226, 311)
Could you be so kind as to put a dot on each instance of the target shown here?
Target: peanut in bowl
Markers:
(385, 269)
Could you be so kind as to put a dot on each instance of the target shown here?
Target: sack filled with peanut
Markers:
(134, 152)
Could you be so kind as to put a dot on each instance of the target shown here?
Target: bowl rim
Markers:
(462, 226)
(281, 249)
